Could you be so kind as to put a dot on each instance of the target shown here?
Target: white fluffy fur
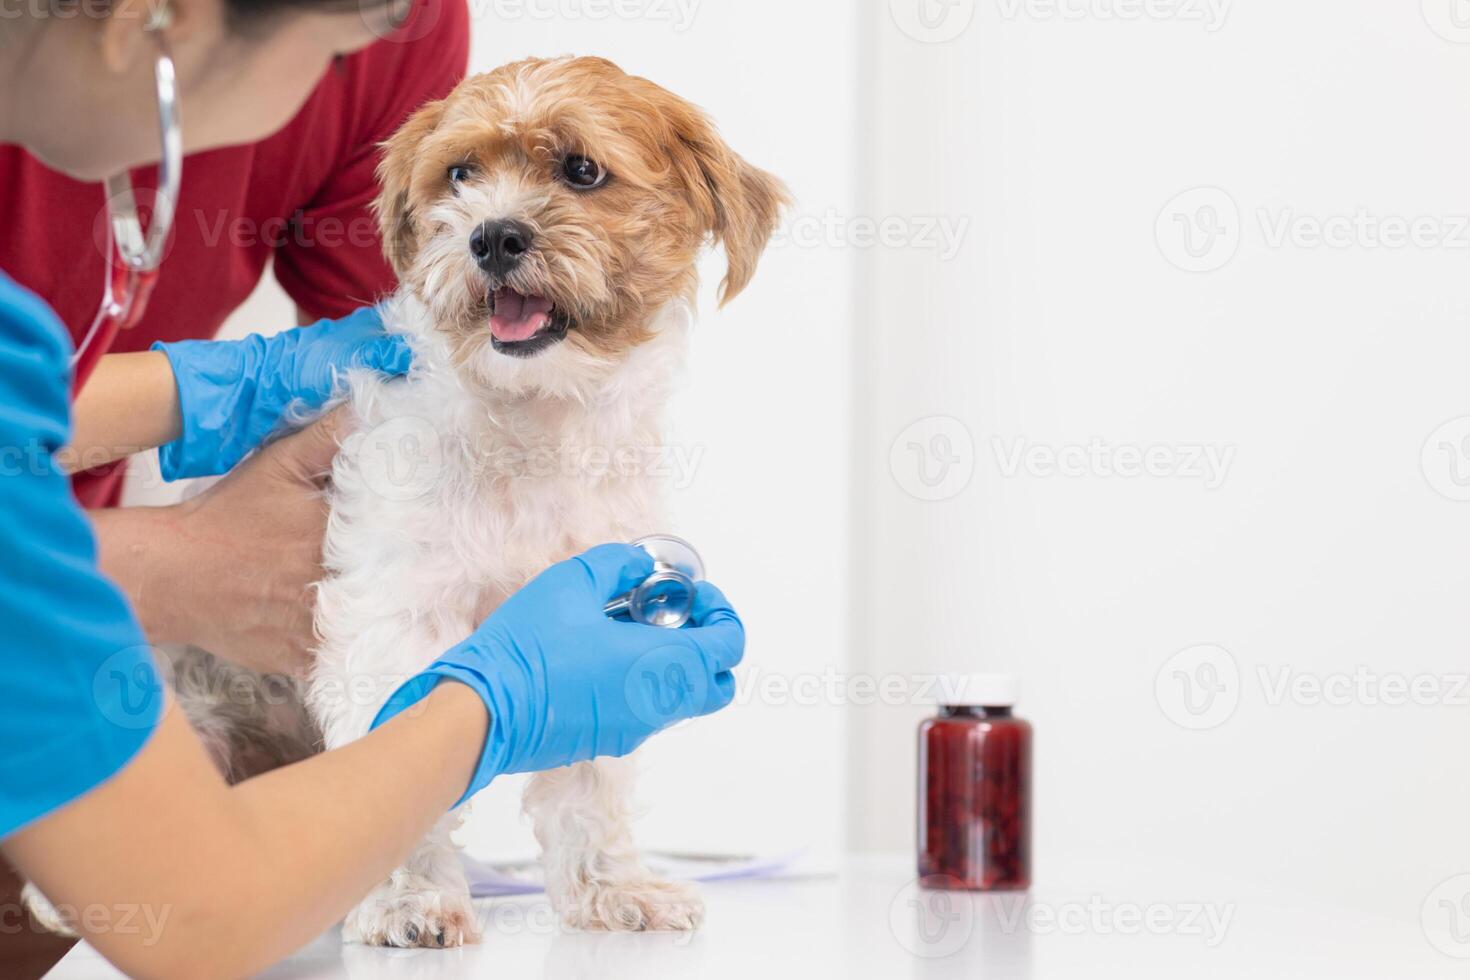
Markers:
(436, 517)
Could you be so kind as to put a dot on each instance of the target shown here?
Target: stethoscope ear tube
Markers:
(139, 252)
(133, 256)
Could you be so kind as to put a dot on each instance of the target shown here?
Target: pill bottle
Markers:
(975, 788)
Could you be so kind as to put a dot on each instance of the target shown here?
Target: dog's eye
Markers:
(582, 173)
(460, 172)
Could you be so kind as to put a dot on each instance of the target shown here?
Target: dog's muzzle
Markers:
(521, 324)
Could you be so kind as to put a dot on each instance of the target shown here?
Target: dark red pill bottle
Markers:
(975, 788)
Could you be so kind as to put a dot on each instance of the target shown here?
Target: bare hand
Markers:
(232, 570)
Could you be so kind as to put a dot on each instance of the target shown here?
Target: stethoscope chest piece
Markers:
(665, 598)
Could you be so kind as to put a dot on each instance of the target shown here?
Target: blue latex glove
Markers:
(564, 683)
(235, 394)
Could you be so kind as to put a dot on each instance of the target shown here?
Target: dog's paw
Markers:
(44, 912)
(635, 906)
(413, 916)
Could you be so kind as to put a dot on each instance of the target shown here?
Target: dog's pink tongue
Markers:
(518, 317)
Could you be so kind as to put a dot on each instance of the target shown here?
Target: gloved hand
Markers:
(234, 394)
(564, 683)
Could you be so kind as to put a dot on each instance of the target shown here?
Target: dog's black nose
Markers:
(499, 245)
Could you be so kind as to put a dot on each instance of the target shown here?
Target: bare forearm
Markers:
(129, 405)
(307, 823)
(238, 878)
(140, 549)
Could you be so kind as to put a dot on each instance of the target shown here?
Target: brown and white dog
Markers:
(545, 221)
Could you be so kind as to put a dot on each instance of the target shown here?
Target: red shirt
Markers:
(299, 198)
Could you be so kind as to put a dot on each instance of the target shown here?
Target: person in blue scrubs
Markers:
(108, 801)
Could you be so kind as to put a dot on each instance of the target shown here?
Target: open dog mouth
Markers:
(522, 325)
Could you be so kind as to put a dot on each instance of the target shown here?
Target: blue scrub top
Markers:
(79, 692)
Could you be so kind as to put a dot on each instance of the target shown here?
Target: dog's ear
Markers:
(395, 175)
(738, 204)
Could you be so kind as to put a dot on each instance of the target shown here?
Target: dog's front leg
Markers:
(426, 901)
(582, 817)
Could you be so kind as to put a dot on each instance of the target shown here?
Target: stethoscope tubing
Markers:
(131, 253)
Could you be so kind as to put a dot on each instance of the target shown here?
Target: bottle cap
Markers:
(979, 690)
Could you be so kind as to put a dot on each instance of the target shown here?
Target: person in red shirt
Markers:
(231, 570)
(299, 200)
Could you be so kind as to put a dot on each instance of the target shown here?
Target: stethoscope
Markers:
(665, 598)
(133, 256)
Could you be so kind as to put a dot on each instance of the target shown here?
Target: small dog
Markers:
(544, 220)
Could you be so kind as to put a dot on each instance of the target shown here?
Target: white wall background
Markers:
(1026, 160)
(1062, 134)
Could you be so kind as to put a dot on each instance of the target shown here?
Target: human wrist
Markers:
(128, 406)
(477, 668)
(464, 721)
(452, 704)
(142, 550)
